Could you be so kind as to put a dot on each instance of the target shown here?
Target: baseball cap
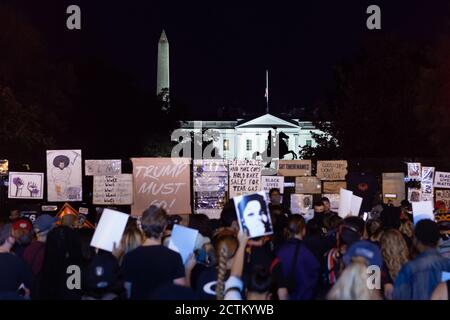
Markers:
(364, 249)
(5, 233)
(102, 273)
(22, 224)
(44, 222)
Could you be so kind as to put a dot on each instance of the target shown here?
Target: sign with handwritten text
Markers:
(163, 182)
(245, 177)
(332, 170)
(102, 167)
(113, 190)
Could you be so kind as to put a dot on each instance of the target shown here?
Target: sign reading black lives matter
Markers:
(442, 180)
(245, 177)
(113, 190)
(210, 178)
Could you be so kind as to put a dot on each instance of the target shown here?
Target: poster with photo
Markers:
(414, 171)
(210, 186)
(253, 214)
(64, 171)
(26, 185)
(414, 194)
(334, 200)
(301, 203)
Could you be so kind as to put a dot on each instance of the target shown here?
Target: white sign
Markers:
(301, 203)
(109, 230)
(245, 177)
(334, 200)
(422, 210)
(253, 214)
(182, 240)
(270, 182)
(64, 175)
(414, 170)
(113, 190)
(26, 185)
(102, 167)
(442, 180)
(349, 204)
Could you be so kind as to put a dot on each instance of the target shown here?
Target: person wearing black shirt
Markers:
(152, 265)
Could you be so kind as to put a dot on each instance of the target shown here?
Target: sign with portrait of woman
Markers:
(253, 214)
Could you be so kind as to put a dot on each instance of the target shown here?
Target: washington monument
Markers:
(163, 84)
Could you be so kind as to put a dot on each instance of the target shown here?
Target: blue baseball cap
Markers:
(365, 249)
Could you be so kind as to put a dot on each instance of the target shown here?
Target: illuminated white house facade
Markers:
(243, 139)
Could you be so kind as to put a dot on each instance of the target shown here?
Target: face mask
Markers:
(24, 240)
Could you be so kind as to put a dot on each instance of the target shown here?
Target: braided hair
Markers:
(225, 248)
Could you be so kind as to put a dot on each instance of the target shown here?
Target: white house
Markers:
(242, 139)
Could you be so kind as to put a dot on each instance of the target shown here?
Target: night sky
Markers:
(220, 49)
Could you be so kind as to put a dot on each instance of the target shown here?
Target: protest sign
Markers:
(182, 240)
(102, 167)
(113, 190)
(414, 170)
(253, 214)
(334, 186)
(301, 203)
(349, 204)
(109, 230)
(332, 170)
(26, 185)
(294, 168)
(422, 210)
(414, 194)
(245, 177)
(443, 196)
(442, 180)
(210, 185)
(334, 200)
(427, 174)
(393, 187)
(64, 175)
(311, 185)
(162, 182)
(270, 182)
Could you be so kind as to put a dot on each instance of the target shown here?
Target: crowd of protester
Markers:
(327, 257)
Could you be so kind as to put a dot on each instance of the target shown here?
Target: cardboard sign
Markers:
(270, 182)
(113, 190)
(311, 185)
(210, 179)
(26, 185)
(294, 168)
(333, 187)
(442, 180)
(414, 170)
(332, 170)
(245, 177)
(182, 240)
(64, 175)
(103, 167)
(109, 230)
(163, 182)
(422, 210)
(253, 214)
(393, 186)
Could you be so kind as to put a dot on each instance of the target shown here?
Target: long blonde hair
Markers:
(132, 238)
(407, 228)
(225, 248)
(352, 284)
(394, 250)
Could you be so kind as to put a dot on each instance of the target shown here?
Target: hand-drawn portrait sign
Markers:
(64, 175)
(332, 170)
(162, 182)
(294, 168)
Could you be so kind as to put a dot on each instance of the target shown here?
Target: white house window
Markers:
(226, 145)
(249, 145)
(309, 143)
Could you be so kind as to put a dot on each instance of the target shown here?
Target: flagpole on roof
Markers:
(267, 91)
